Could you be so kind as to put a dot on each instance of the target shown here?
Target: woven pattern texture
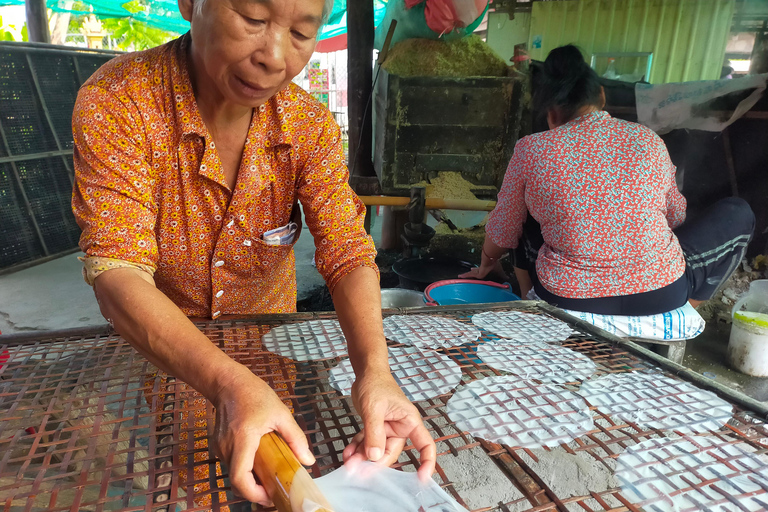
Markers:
(88, 424)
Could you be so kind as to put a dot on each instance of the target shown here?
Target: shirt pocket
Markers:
(266, 258)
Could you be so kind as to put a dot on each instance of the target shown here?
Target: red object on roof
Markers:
(444, 16)
(332, 44)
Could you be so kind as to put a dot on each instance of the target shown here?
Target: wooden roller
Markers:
(286, 481)
(478, 205)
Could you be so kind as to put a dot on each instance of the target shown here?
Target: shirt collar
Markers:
(269, 134)
(592, 117)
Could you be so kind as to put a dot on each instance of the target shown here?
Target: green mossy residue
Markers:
(491, 150)
(401, 112)
(465, 57)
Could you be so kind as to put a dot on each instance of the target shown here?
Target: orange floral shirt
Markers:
(150, 192)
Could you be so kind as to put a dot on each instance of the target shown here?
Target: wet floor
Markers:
(707, 355)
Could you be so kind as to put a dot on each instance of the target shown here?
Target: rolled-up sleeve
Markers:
(505, 223)
(335, 215)
(113, 200)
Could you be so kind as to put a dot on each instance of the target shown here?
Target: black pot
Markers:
(418, 273)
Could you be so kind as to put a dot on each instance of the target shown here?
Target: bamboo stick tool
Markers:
(286, 481)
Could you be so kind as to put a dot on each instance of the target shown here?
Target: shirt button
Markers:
(216, 314)
(219, 293)
(219, 263)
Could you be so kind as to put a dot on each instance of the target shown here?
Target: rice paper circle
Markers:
(519, 413)
(689, 474)
(307, 341)
(523, 327)
(370, 487)
(652, 400)
(537, 360)
(425, 331)
(421, 375)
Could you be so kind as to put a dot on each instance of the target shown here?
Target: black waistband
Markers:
(639, 304)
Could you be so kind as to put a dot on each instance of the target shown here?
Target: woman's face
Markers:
(248, 50)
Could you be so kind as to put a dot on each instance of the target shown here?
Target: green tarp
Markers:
(164, 14)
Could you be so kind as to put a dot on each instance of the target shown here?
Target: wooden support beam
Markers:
(477, 205)
(37, 21)
(759, 59)
(360, 30)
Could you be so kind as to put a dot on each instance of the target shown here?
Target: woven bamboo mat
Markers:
(86, 423)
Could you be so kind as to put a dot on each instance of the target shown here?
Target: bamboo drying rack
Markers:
(86, 423)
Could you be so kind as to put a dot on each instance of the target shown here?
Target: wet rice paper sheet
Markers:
(420, 374)
(369, 487)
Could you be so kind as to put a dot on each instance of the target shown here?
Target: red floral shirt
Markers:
(604, 193)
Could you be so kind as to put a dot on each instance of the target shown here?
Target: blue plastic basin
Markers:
(467, 291)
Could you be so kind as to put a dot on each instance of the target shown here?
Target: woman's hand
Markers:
(389, 418)
(476, 273)
(246, 409)
(483, 271)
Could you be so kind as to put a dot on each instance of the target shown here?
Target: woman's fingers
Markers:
(423, 442)
(355, 447)
(296, 440)
(241, 468)
(394, 447)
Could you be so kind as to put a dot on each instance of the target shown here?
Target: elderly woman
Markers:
(606, 231)
(186, 155)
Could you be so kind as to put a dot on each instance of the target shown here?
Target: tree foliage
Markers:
(12, 32)
(128, 33)
(135, 35)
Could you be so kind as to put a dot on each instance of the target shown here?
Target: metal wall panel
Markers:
(687, 37)
(504, 34)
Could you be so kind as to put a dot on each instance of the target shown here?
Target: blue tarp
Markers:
(164, 14)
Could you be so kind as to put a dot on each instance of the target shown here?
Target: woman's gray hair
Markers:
(327, 9)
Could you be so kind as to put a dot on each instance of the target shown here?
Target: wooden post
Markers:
(760, 52)
(37, 21)
(360, 31)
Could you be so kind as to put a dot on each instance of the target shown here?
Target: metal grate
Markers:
(38, 88)
(88, 424)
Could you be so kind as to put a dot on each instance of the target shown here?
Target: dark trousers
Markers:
(713, 245)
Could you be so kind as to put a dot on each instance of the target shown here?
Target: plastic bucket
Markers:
(748, 344)
(467, 291)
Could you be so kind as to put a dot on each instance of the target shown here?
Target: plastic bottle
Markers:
(610, 71)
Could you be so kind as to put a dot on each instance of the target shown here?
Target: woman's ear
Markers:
(602, 97)
(186, 8)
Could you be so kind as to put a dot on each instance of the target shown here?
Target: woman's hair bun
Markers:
(565, 62)
(568, 83)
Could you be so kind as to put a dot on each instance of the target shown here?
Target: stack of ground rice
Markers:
(466, 57)
(463, 243)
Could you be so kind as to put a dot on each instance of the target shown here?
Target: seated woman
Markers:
(606, 231)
